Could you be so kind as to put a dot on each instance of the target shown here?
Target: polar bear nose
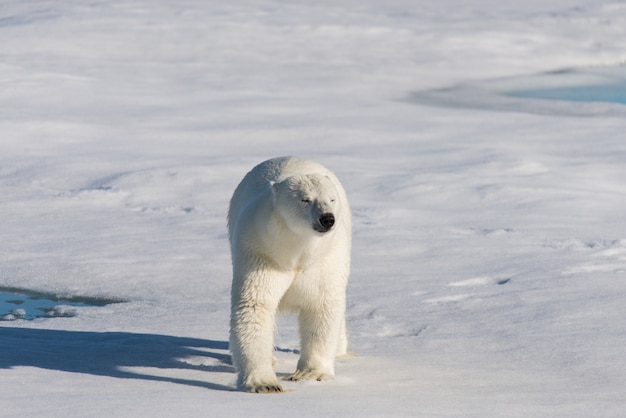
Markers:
(327, 220)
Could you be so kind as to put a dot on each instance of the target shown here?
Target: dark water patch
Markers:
(609, 93)
(597, 91)
(16, 303)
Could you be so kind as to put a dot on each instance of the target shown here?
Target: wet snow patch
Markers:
(582, 92)
(27, 304)
(575, 87)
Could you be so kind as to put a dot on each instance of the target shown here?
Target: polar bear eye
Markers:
(306, 200)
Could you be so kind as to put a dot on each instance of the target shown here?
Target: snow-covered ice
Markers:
(489, 259)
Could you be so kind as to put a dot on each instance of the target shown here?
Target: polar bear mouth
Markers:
(324, 223)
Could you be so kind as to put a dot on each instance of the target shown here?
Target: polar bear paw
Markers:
(260, 384)
(310, 374)
(264, 387)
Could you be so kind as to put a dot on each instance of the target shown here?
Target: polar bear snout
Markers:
(325, 222)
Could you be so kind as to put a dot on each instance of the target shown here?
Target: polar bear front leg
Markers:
(252, 348)
(321, 334)
(342, 345)
(253, 313)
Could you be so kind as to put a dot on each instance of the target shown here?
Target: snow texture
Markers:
(489, 248)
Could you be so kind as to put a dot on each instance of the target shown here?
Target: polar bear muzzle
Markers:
(325, 222)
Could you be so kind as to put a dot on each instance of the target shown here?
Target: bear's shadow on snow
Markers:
(112, 354)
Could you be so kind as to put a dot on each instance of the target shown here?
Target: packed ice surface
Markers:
(489, 252)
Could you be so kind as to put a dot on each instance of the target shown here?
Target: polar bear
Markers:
(290, 228)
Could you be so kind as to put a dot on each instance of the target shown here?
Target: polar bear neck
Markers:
(287, 249)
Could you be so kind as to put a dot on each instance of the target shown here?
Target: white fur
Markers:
(280, 261)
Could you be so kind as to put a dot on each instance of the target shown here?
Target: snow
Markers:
(489, 259)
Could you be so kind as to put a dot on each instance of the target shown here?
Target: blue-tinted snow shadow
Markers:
(110, 353)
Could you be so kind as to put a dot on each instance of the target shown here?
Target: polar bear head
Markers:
(307, 202)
